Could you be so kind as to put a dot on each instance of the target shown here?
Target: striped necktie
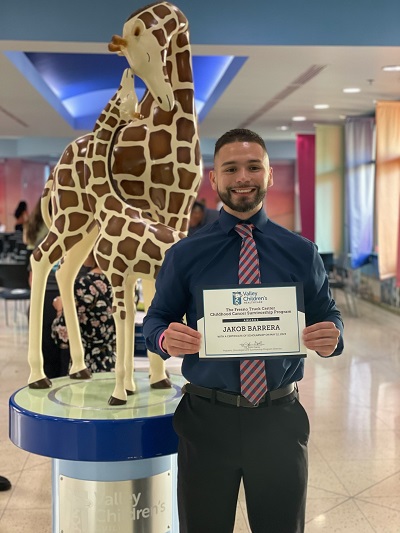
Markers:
(253, 381)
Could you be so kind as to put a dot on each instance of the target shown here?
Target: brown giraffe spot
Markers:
(103, 263)
(82, 143)
(163, 173)
(119, 294)
(89, 152)
(88, 200)
(186, 179)
(170, 26)
(101, 190)
(135, 188)
(157, 197)
(80, 171)
(162, 11)
(148, 19)
(105, 247)
(71, 241)
(138, 204)
(112, 204)
(143, 267)
(186, 98)
(156, 270)
(101, 147)
(64, 177)
(163, 118)
(129, 160)
(68, 199)
(137, 228)
(152, 250)
(160, 144)
(103, 215)
(185, 130)
(55, 255)
(115, 226)
(185, 225)
(112, 121)
(60, 223)
(91, 226)
(48, 242)
(145, 106)
(135, 133)
(163, 234)
(99, 169)
(77, 221)
(183, 154)
(173, 221)
(182, 40)
(175, 202)
(116, 280)
(160, 36)
(197, 152)
(183, 67)
(128, 248)
(119, 265)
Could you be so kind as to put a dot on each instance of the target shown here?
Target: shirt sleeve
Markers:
(169, 303)
(319, 304)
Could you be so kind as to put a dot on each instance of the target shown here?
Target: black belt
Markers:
(275, 397)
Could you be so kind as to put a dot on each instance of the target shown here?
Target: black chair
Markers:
(341, 278)
(14, 287)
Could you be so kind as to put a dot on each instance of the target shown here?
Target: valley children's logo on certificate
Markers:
(252, 320)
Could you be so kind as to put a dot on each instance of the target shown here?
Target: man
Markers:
(221, 442)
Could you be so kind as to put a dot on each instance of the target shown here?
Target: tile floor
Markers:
(353, 403)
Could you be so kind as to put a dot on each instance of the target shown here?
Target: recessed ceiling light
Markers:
(351, 90)
(391, 68)
(282, 128)
(321, 106)
(298, 119)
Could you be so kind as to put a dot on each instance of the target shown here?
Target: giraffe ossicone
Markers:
(126, 189)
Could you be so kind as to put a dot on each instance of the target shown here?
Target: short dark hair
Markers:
(239, 135)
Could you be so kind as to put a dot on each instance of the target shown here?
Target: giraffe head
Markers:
(146, 42)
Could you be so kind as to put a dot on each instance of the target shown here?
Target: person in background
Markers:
(55, 359)
(236, 424)
(93, 298)
(200, 216)
(21, 215)
(4, 484)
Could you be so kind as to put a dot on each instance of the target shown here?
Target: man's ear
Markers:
(213, 180)
(271, 177)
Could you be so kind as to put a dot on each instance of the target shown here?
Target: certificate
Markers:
(251, 321)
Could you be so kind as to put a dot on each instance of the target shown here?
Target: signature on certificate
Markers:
(251, 345)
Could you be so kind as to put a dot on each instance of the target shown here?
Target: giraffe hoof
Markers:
(163, 384)
(116, 401)
(44, 383)
(83, 374)
(130, 392)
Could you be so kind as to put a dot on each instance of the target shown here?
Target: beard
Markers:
(241, 204)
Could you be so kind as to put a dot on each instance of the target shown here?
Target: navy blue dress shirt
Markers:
(211, 257)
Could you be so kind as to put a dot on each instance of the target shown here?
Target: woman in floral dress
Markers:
(93, 298)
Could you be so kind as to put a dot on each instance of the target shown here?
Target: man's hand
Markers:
(180, 339)
(322, 337)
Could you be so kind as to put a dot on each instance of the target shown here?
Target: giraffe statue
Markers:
(72, 229)
(157, 31)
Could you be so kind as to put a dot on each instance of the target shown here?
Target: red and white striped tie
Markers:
(253, 381)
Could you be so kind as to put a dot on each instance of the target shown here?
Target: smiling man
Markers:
(240, 419)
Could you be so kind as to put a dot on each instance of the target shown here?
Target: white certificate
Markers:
(252, 321)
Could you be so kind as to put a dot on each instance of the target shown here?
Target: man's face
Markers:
(241, 177)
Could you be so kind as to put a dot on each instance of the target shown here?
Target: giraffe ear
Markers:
(138, 28)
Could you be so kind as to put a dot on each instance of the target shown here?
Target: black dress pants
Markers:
(220, 444)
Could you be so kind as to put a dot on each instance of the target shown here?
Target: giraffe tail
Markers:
(45, 200)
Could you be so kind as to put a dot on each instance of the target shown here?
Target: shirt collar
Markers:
(228, 221)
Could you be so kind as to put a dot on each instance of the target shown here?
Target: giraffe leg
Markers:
(65, 278)
(119, 396)
(40, 272)
(158, 376)
(129, 383)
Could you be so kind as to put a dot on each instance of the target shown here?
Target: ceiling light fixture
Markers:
(352, 90)
(282, 128)
(298, 119)
(321, 106)
(391, 68)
